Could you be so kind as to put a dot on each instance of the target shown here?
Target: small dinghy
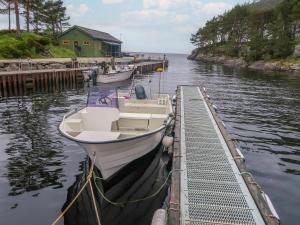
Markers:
(118, 128)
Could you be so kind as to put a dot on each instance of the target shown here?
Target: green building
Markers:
(90, 43)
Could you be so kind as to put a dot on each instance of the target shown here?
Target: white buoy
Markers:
(159, 217)
(174, 97)
(167, 141)
(215, 107)
(240, 154)
(271, 206)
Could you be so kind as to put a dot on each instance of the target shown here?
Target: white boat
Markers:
(118, 129)
(119, 74)
(114, 76)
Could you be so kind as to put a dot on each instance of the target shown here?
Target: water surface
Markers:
(261, 112)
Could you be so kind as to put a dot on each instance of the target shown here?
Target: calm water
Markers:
(261, 111)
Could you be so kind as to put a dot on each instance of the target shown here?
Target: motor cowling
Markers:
(140, 92)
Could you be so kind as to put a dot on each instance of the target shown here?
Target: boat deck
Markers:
(211, 187)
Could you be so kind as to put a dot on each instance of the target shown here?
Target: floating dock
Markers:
(210, 184)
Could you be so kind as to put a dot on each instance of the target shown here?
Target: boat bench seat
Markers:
(137, 116)
(142, 116)
(98, 136)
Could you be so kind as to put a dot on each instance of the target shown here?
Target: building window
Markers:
(86, 43)
(66, 42)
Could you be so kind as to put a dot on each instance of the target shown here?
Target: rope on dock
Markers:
(88, 181)
(122, 204)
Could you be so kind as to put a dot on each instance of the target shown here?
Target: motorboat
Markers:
(120, 73)
(119, 127)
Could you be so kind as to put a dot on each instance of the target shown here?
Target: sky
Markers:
(163, 26)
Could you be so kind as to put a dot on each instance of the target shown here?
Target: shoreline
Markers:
(267, 66)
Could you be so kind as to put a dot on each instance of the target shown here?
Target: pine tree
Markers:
(17, 12)
(6, 8)
(53, 16)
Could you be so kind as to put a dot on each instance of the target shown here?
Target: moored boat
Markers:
(114, 76)
(117, 129)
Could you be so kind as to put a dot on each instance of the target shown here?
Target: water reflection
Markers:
(34, 155)
(138, 180)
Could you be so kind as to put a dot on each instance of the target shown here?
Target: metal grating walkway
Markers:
(212, 189)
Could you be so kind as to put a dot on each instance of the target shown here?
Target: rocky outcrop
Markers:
(194, 54)
(228, 61)
(241, 63)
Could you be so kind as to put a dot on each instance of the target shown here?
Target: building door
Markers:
(76, 44)
(77, 48)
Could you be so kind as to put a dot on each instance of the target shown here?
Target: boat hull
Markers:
(114, 77)
(113, 156)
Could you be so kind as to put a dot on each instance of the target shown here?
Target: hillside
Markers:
(264, 30)
(30, 45)
(266, 4)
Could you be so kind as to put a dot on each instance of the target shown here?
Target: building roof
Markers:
(96, 34)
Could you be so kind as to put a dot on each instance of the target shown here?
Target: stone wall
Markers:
(14, 66)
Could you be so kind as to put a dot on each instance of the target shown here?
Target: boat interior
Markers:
(133, 117)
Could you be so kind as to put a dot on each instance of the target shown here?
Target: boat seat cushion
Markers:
(98, 136)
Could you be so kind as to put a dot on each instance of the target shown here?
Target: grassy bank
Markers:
(30, 45)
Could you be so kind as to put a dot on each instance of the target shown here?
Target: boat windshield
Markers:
(102, 97)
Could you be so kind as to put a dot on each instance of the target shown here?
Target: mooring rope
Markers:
(91, 175)
(122, 204)
(88, 181)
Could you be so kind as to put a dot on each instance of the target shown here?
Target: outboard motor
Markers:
(140, 92)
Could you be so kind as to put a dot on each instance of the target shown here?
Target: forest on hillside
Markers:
(37, 25)
(268, 29)
(38, 15)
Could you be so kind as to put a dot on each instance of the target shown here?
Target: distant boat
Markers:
(120, 128)
(119, 74)
(114, 76)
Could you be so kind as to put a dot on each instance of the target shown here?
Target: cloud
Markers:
(212, 8)
(153, 19)
(180, 18)
(107, 2)
(80, 11)
(83, 8)
(150, 25)
(163, 4)
(216, 7)
(149, 16)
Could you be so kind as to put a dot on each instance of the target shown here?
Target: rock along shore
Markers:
(54, 63)
(241, 63)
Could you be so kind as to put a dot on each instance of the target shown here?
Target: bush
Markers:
(297, 41)
(29, 45)
(58, 52)
(45, 40)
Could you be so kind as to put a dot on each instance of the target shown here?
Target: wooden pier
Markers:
(210, 183)
(21, 82)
